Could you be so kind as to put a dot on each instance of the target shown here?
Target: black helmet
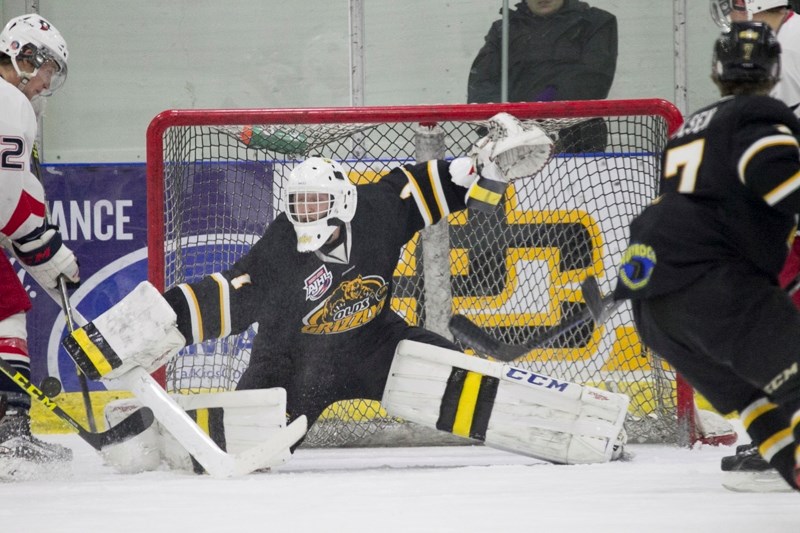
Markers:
(748, 52)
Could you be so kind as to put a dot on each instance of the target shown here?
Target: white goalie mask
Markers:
(319, 197)
(33, 39)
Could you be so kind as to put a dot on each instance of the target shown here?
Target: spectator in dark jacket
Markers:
(557, 50)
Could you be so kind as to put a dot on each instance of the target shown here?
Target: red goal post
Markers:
(215, 179)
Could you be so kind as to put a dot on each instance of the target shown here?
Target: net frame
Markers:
(686, 430)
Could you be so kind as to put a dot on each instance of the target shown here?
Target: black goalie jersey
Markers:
(729, 193)
(323, 317)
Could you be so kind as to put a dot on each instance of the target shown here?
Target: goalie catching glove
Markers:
(108, 347)
(509, 151)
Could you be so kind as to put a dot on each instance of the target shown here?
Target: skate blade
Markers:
(766, 481)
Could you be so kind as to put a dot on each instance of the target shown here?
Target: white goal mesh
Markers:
(216, 179)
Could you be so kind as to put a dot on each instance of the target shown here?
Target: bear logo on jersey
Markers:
(351, 305)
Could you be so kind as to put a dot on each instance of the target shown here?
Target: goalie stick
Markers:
(134, 424)
(598, 308)
(166, 410)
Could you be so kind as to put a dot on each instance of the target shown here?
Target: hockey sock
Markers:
(768, 425)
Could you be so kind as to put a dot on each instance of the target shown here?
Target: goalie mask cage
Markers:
(216, 180)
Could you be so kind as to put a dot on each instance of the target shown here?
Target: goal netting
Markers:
(216, 179)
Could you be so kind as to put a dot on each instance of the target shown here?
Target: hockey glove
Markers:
(509, 151)
(46, 257)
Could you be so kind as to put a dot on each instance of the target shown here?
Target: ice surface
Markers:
(441, 489)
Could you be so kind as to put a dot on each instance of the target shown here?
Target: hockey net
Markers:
(216, 180)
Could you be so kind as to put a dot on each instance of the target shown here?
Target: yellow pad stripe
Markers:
(484, 195)
(92, 352)
(202, 420)
(466, 404)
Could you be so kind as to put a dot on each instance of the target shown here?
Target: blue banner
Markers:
(102, 213)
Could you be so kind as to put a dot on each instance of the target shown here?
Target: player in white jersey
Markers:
(788, 89)
(786, 25)
(33, 64)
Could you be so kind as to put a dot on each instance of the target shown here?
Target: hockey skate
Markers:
(23, 456)
(747, 471)
(746, 459)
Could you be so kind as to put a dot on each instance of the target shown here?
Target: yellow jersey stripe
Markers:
(761, 144)
(416, 192)
(776, 443)
(224, 304)
(436, 187)
(783, 190)
(194, 312)
(754, 410)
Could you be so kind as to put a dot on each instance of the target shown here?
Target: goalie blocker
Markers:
(504, 406)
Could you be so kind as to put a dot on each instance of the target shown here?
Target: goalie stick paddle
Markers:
(135, 423)
(598, 308)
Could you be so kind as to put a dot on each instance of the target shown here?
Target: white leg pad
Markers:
(249, 420)
(141, 453)
(504, 406)
(250, 416)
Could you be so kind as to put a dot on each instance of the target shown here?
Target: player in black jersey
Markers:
(319, 281)
(704, 257)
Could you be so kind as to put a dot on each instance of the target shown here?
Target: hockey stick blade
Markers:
(134, 424)
(598, 308)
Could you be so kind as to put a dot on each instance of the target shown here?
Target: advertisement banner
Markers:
(102, 213)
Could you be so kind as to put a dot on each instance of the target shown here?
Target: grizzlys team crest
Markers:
(318, 283)
(351, 305)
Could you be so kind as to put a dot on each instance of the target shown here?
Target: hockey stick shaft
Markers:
(131, 426)
(598, 308)
(67, 307)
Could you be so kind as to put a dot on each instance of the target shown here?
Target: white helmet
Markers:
(319, 197)
(721, 9)
(32, 38)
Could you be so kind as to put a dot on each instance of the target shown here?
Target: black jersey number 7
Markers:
(685, 161)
